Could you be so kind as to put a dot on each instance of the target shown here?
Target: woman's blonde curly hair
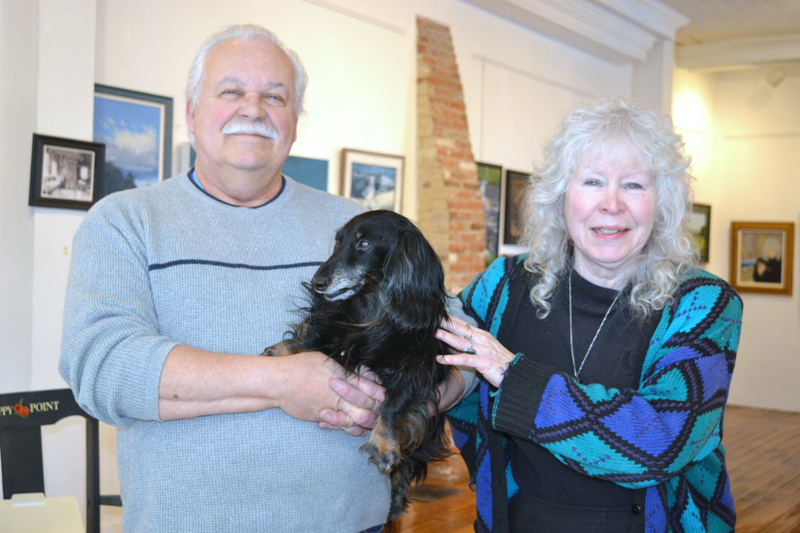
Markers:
(585, 133)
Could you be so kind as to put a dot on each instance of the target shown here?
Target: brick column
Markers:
(450, 212)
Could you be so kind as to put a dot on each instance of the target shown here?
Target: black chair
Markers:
(21, 416)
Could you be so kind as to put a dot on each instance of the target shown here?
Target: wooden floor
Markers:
(763, 450)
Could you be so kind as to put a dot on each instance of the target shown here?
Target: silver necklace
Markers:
(575, 370)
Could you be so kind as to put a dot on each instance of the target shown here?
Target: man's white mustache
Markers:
(243, 126)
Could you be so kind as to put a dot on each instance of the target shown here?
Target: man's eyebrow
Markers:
(233, 80)
(229, 80)
(275, 85)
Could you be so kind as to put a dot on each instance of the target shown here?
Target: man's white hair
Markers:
(194, 85)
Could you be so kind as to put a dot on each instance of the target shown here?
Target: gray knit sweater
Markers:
(168, 264)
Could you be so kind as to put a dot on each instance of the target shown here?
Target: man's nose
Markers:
(252, 107)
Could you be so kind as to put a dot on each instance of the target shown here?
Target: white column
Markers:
(652, 79)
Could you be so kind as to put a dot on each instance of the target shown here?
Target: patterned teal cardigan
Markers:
(664, 437)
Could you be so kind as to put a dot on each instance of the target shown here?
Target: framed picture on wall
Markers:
(373, 179)
(513, 192)
(761, 257)
(308, 171)
(700, 227)
(65, 172)
(490, 178)
(136, 128)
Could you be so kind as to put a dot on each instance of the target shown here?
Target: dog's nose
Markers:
(320, 284)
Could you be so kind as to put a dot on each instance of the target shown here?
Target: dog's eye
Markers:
(363, 244)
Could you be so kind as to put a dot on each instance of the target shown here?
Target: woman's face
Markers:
(609, 207)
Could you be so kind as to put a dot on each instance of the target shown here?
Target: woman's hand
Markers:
(488, 356)
(450, 389)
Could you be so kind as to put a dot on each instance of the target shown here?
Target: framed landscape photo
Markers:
(136, 128)
(65, 172)
(373, 179)
(490, 179)
(700, 227)
(513, 193)
(761, 257)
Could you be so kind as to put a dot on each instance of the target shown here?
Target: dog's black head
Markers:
(382, 252)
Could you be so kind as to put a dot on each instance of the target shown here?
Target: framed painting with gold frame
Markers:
(762, 257)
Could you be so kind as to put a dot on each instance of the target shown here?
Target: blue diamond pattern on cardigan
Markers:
(713, 370)
(653, 437)
(702, 429)
(704, 478)
(728, 328)
(564, 407)
(669, 386)
(484, 498)
(596, 456)
(655, 519)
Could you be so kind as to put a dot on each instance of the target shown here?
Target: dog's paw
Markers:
(384, 461)
(401, 495)
(277, 350)
(383, 451)
(384, 457)
(398, 506)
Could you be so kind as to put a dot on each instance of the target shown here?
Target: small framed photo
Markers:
(65, 172)
(700, 228)
(373, 179)
(490, 178)
(136, 128)
(761, 257)
(511, 216)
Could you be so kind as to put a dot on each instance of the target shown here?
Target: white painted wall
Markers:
(361, 60)
(18, 51)
(745, 139)
(46, 83)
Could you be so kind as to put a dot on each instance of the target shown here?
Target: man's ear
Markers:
(190, 117)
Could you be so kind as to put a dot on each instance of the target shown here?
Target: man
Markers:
(174, 288)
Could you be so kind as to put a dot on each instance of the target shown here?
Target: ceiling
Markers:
(729, 20)
(711, 35)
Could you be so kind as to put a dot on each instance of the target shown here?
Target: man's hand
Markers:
(309, 386)
(360, 399)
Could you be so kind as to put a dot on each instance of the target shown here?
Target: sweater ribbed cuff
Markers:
(518, 399)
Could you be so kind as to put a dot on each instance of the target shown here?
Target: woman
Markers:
(605, 354)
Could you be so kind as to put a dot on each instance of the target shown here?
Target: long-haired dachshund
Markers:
(377, 302)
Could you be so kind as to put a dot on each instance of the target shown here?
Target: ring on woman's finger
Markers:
(469, 349)
(468, 334)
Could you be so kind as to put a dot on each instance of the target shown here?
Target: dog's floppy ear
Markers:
(414, 280)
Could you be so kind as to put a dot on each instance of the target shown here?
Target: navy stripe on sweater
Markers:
(182, 262)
